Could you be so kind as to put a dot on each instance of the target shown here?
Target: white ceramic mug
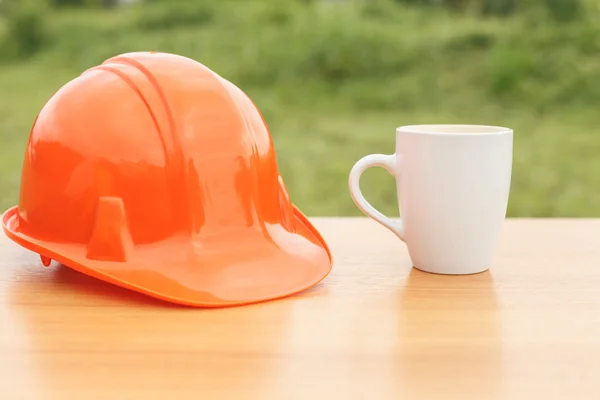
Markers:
(453, 184)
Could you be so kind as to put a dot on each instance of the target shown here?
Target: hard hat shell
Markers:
(152, 172)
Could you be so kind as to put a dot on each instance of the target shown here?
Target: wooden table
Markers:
(374, 329)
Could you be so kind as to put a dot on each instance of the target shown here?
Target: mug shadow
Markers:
(450, 336)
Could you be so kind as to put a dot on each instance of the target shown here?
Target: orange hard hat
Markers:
(152, 172)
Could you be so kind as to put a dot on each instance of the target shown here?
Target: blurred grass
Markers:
(334, 80)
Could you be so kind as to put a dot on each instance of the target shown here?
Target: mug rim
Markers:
(454, 129)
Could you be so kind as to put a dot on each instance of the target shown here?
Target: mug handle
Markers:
(388, 162)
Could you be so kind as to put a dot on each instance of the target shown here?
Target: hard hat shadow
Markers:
(73, 328)
(76, 285)
(97, 290)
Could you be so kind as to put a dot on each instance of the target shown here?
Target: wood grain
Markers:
(374, 329)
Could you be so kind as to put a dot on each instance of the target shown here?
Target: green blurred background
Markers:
(334, 78)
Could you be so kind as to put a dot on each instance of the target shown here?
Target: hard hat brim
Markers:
(224, 270)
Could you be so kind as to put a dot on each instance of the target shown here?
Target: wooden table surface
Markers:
(374, 329)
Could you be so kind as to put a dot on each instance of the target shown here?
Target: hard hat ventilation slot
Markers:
(111, 239)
